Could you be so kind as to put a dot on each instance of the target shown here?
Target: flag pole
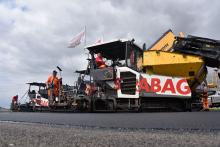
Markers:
(85, 39)
(102, 38)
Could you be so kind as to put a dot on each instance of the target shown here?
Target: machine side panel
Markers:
(163, 86)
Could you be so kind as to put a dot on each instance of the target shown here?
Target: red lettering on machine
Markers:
(164, 86)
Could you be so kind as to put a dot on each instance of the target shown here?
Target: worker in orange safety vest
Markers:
(53, 84)
(15, 99)
(205, 102)
(99, 61)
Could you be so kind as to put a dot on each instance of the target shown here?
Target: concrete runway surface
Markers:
(161, 121)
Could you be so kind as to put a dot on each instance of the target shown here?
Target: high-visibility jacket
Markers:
(55, 82)
(15, 99)
(99, 61)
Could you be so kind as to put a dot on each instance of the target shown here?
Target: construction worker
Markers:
(15, 99)
(53, 85)
(14, 102)
(205, 102)
(99, 61)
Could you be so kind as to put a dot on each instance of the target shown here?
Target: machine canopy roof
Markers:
(37, 84)
(86, 72)
(113, 49)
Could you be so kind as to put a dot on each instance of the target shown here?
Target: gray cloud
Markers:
(35, 34)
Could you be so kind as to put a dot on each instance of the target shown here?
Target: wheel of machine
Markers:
(96, 103)
(138, 109)
(73, 107)
(51, 108)
(93, 106)
(85, 106)
(180, 106)
(100, 105)
(88, 106)
(188, 105)
(111, 106)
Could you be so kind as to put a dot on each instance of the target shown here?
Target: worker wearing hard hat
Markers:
(53, 83)
(205, 102)
(14, 103)
(15, 99)
(99, 61)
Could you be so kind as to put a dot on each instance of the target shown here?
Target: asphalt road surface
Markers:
(163, 121)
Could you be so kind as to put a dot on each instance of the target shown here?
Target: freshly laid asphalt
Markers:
(162, 120)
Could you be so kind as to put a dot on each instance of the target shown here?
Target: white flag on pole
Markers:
(98, 41)
(79, 38)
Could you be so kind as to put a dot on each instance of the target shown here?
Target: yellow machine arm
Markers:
(164, 43)
(162, 59)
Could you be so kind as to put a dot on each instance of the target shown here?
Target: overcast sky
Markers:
(35, 33)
